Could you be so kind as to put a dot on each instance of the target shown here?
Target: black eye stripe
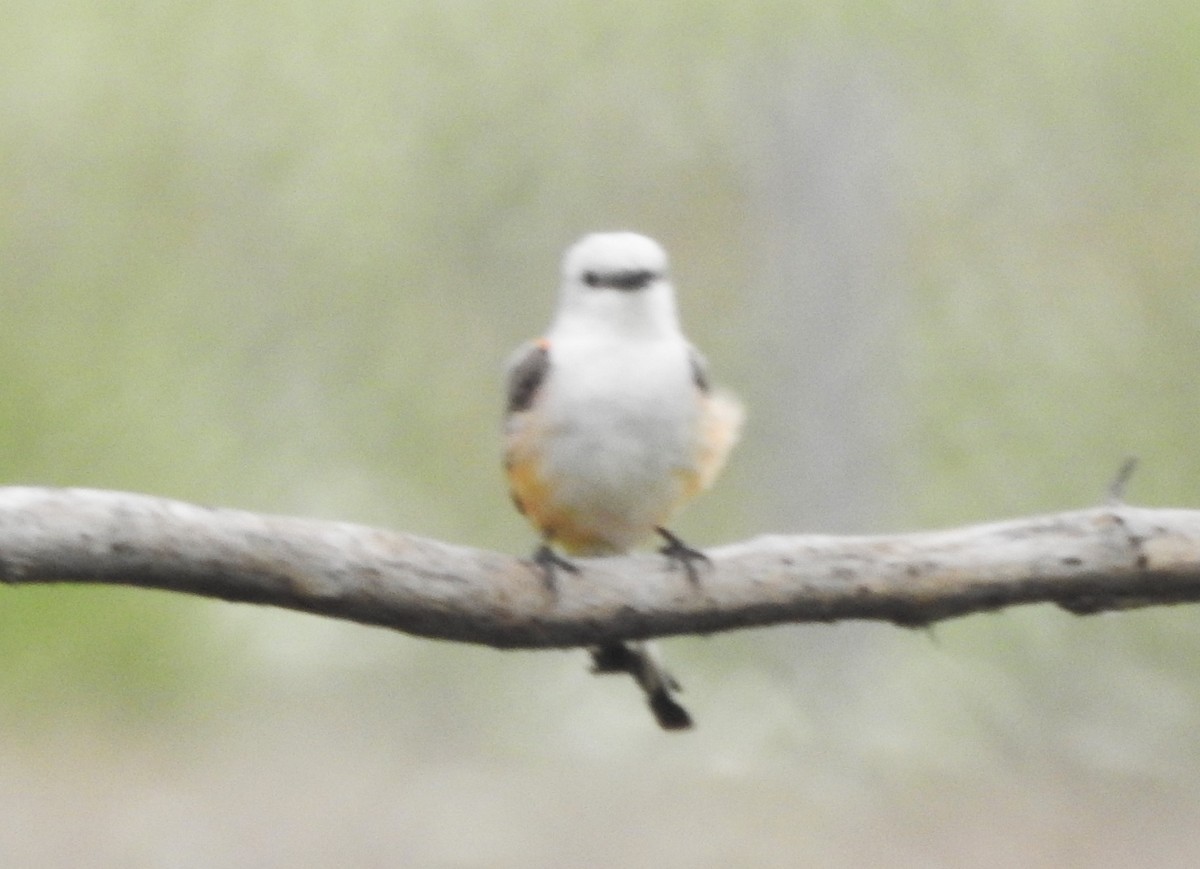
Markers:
(626, 280)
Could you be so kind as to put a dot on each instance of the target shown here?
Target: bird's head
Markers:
(618, 279)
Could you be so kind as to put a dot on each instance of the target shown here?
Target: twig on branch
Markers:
(1116, 489)
(1109, 557)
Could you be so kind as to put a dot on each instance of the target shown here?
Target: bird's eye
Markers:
(591, 279)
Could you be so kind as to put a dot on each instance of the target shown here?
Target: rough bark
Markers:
(1108, 557)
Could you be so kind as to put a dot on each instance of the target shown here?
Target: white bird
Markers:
(612, 425)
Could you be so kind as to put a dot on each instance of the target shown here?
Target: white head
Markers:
(617, 280)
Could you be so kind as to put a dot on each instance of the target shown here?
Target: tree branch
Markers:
(1110, 557)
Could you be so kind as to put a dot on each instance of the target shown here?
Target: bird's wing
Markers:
(699, 369)
(526, 372)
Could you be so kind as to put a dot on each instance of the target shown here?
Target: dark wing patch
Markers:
(699, 370)
(525, 376)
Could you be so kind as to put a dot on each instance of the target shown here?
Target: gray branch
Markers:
(1110, 557)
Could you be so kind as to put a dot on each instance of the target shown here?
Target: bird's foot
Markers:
(680, 553)
(550, 563)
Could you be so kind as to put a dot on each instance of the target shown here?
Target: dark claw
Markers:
(551, 562)
(680, 553)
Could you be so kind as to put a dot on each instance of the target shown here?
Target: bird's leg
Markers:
(680, 553)
(551, 562)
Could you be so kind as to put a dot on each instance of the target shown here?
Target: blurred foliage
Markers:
(272, 255)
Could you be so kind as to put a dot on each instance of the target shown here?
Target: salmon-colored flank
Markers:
(721, 418)
(534, 498)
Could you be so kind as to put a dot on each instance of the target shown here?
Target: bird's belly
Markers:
(612, 478)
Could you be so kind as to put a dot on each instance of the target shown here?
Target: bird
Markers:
(611, 425)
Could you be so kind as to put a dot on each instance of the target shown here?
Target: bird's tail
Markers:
(642, 662)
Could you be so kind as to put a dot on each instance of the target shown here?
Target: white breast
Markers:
(620, 421)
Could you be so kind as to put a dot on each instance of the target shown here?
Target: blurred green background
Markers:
(273, 256)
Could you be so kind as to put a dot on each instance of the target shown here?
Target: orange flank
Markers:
(721, 417)
(534, 499)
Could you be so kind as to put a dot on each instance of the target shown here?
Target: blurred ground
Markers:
(316, 779)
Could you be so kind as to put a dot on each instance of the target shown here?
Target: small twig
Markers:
(1116, 489)
(641, 661)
